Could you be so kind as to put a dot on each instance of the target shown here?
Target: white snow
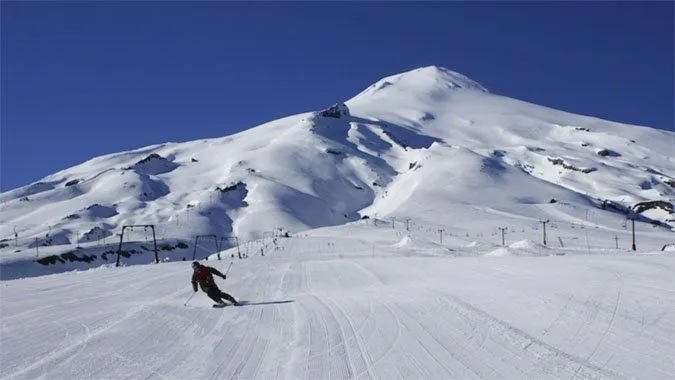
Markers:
(423, 287)
(335, 306)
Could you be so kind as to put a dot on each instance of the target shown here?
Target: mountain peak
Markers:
(451, 79)
(433, 77)
(428, 80)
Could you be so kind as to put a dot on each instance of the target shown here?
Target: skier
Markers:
(203, 276)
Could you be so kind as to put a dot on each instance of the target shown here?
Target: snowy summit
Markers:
(427, 139)
(425, 228)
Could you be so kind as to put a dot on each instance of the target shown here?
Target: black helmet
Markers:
(195, 264)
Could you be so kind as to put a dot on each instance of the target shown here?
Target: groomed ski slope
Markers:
(334, 305)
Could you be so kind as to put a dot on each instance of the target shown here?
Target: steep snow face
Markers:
(420, 144)
(589, 156)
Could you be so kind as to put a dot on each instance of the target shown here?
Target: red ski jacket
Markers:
(203, 276)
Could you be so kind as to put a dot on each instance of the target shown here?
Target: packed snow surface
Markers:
(333, 306)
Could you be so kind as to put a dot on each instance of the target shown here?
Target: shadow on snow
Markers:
(252, 303)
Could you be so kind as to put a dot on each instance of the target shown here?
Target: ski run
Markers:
(331, 305)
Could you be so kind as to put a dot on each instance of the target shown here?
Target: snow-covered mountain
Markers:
(424, 229)
(422, 144)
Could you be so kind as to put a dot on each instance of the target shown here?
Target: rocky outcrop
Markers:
(608, 152)
(644, 206)
(154, 164)
(561, 162)
(336, 111)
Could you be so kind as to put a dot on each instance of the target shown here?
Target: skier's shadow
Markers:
(252, 303)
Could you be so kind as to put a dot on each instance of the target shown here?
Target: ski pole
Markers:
(189, 298)
(228, 269)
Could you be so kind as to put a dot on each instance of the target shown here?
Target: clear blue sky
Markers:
(84, 79)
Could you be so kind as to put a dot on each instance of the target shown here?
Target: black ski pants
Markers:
(216, 294)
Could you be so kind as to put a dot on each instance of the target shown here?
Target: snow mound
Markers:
(524, 247)
(37, 188)
(499, 252)
(526, 244)
(96, 211)
(26, 191)
(57, 238)
(478, 245)
(403, 242)
(96, 233)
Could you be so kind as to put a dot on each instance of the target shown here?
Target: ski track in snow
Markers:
(350, 317)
